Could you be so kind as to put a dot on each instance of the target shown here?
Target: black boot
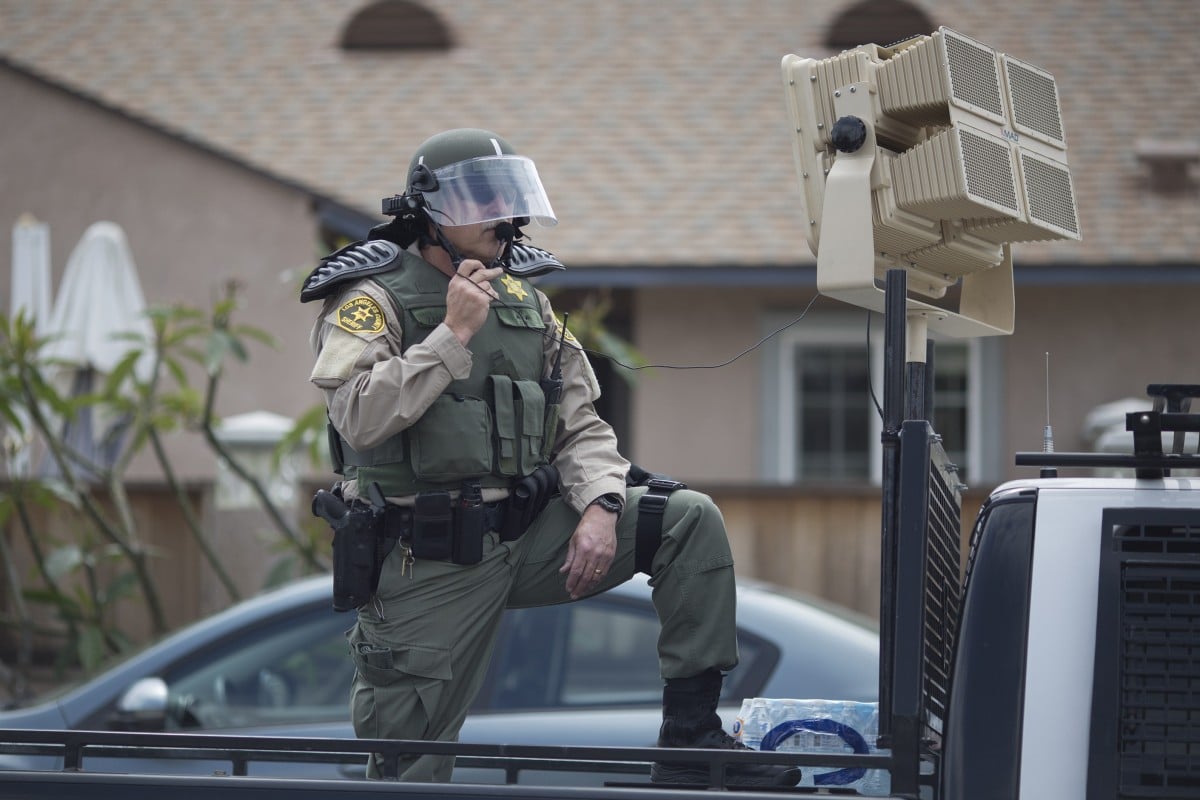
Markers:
(690, 720)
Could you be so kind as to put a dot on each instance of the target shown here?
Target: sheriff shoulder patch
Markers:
(360, 315)
(565, 333)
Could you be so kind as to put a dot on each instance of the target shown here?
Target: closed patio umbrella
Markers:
(100, 299)
(29, 295)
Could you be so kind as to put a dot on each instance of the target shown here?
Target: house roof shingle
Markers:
(659, 128)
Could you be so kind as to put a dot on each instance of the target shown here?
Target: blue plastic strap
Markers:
(785, 730)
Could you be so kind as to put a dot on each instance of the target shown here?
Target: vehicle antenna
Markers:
(1048, 432)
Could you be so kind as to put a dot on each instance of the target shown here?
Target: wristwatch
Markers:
(611, 502)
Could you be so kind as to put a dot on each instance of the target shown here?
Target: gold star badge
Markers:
(513, 286)
(360, 315)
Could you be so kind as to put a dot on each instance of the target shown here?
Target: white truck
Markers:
(1078, 658)
(1069, 664)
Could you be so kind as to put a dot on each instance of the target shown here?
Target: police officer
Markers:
(434, 364)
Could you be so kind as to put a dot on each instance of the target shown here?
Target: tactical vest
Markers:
(490, 426)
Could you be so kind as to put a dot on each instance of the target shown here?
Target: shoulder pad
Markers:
(527, 261)
(354, 261)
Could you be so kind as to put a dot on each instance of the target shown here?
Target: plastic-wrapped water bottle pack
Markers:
(816, 726)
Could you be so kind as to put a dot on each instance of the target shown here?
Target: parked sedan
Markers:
(582, 673)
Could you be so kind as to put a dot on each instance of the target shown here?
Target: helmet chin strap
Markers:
(444, 243)
(504, 232)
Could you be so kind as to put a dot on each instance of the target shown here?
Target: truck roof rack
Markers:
(1171, 413)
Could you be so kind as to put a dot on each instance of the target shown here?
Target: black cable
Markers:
(725, 363)
(456, 259)
(870, 382)
(633, 368)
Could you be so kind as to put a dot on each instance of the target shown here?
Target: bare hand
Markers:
(468, 297)
(591, 551)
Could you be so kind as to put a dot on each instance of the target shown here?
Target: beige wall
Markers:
(701, 424)
(194, 221)
(1105, 343)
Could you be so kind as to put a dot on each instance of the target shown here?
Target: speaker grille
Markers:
(1049, 194)
(973, 75)
(988, 167)
(919, 83)
(1034, 97)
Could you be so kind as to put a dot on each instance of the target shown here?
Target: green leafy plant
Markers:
(98, 558)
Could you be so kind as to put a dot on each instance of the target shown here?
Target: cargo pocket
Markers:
(428, 316)
(407, 683)
(531, 409)
(453, 439)
(520, 317)
(506, 424)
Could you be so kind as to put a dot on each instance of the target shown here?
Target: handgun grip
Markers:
(329, 507)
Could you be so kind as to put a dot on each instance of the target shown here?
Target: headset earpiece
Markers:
(422, 179)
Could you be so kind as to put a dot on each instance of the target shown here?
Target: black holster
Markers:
(528, 499)
(652, 507)
(359, 548)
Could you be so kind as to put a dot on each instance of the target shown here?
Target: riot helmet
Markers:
(470, 175)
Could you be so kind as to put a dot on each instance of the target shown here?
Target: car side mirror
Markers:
(143, 707)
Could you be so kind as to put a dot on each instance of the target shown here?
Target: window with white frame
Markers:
(832, 407)
(823, 381)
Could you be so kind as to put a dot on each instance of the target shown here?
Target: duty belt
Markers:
(442, 537)
(398, 520)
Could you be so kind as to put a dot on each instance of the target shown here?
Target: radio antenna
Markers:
(1048, 432)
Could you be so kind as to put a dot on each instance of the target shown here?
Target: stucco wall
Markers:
(697, 424)
(1105, 342)
(194, 221)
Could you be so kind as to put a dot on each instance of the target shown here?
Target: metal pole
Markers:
(929, 376)
(917, 332)
(895, 303)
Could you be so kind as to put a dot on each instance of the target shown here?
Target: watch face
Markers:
(608, 503)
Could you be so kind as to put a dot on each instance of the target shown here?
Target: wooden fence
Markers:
(825, 542)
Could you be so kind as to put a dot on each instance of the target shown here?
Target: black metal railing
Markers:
(79, 751)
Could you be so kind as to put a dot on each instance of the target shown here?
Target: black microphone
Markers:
(505, 231)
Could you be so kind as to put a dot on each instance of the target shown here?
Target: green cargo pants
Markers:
(422, 646)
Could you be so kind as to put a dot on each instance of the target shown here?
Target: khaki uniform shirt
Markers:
(375, 388)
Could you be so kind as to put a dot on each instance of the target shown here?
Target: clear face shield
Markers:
(489, 189)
